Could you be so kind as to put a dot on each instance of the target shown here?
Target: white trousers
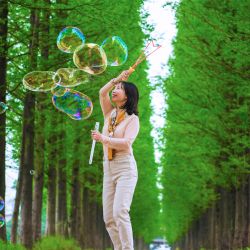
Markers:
(119, 181)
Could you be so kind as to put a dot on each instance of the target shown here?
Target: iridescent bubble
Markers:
(69, 39)
(2, 220)
(75, 104)
(41, 80)
(116, 50)
(1, 203)
(3, 107)
(90, 58)
(72, 77)
(59, 90)
(32, 171)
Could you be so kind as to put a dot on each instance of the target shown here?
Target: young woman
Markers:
(121, 126)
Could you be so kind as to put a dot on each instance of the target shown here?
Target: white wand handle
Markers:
(93, 144)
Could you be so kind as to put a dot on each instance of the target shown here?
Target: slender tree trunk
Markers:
(223, 229)
(75, 192)
(40, 133)
(27, 165)
(15, 215)
(3, 69)
(28, 142)
(52, 156)
(62, 214)
(39, 168)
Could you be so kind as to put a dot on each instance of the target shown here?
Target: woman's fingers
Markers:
(95, 135)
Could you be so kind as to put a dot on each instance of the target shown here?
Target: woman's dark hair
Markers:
(132, 94)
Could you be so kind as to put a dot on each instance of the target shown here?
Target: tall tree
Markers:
(28, 139)
(208, 108)
(3, 87)
(40, 127)
(52, 151)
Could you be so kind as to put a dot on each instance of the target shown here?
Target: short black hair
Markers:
(132, 94)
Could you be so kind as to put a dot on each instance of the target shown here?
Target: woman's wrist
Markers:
(113, 81)
(104, 139)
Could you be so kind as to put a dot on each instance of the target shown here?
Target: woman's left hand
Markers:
(96, 135)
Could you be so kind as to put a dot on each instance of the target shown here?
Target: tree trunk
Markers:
(40, 133)
(27, 165)
(52, 156)
(39, 168)
(75, 192)
(17, 205)
(62, 214)
(28, 142)
(227, 223)
(3, 69)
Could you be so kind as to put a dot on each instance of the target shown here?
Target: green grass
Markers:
(56, 243)
(8, 246)
(247, 248)
(47, 243)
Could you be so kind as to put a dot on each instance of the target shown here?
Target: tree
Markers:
(3, 87)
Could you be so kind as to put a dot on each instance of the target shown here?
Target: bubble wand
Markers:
(144, 54)
(93, 144)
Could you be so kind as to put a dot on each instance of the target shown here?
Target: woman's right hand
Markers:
(123, 76)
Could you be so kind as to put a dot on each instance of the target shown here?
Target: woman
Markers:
(121, 126)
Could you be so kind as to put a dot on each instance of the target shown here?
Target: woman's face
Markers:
(118, 94)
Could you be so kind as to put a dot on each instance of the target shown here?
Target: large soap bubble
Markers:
(75, 104)
(116, 50)
(41, 80)
(72, 77)
(69, 39)
(3, 107)
(91, 58)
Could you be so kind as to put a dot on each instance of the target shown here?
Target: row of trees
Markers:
(63, 197)
(206, 137)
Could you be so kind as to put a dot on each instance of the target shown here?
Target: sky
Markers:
(163, 20)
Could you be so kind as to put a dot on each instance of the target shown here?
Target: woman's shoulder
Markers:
(133, 117)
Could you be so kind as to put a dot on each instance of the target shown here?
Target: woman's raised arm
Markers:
(105, 101)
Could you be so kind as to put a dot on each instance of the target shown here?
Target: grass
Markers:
(56, 243)
(9, 246)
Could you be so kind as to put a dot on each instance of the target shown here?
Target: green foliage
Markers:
(56, 243)
(206, 138)
(8, 246)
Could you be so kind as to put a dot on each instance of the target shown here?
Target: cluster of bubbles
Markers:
(89, 58)
(2, 219)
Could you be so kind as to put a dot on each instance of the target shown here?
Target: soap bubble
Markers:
(116, 50)
(72, 77)
(1, 203)
(41, 80)
(75, 104)
(3, 107)
(59, 90)
(90, 58)
(69, 39)
(2, 220)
